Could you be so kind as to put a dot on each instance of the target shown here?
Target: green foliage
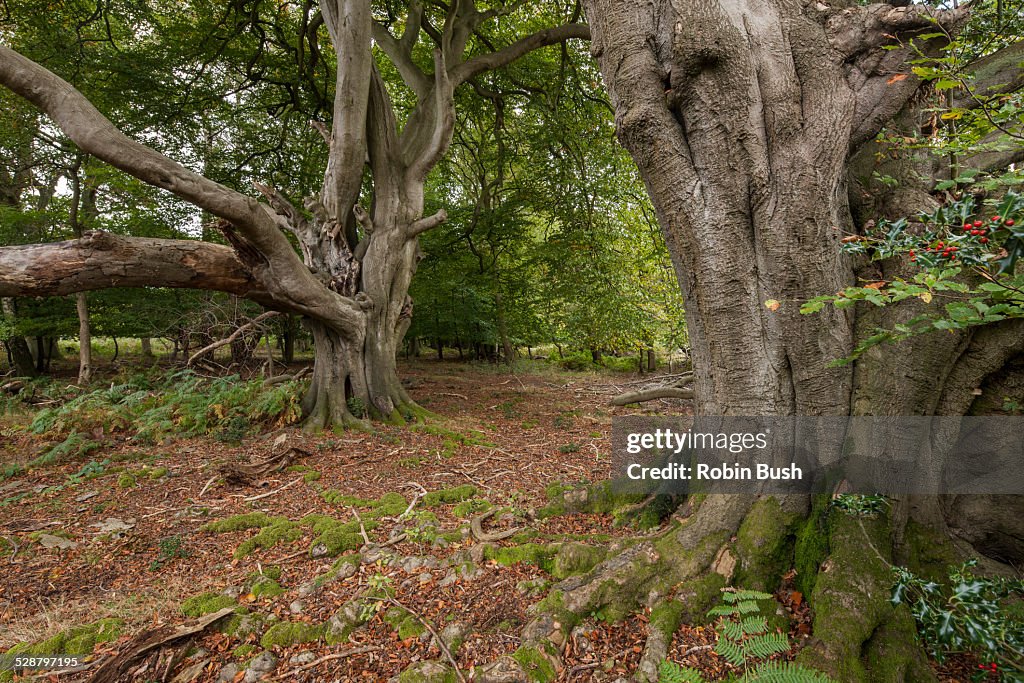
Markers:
(741, 641)
(181, 404)
(968, 613)
(860, 505)
(169, 548)
(965, 259)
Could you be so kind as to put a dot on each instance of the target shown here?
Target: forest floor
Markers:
(338, 565)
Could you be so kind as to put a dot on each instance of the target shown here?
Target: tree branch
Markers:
(495, 60)
(231, 337)
(99, 260)
(995, 74)
(280, 272)
(444, 121)
(428, 223)
(401, 57)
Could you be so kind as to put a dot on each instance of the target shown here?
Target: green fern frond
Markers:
(723, 611)
(765, 645)
(751, 595)
(754, 625)
(748, 607)
(731, 651)
(731, 629)
(670, 672)
(784, 672)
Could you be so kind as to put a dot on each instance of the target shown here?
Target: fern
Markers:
(670, 672)
(723, 611)
(731, 650)
(765, 645)
(784, 672)
(743, 595)
(752, 625)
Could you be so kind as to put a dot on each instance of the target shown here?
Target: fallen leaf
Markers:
(772, 305)
(876, 285)
(896, 78)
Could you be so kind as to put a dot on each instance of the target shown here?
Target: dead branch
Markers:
(673, 390)
(147, 641)
(232, 337)
(235, 473)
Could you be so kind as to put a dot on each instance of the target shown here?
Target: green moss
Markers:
(428, 672)
(764, 545)
(289, 633)
(531, 553)
(448, 496)
(272, 571)
(666, 617)
(280, 530)
(577, 558)
(336, 536)
(388, 505)
(156, 472)
(244, 651)
(340, 565)
(126, 481)
(535, 664)
(468, 508)
(266, 587)
(928, 554)
(404, 622)
(78, 640)
(851, 599)
(205, 603)
(811, 547)
(253, 520)
(310, 477)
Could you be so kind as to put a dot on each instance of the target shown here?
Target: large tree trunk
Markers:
(742, 118)
(17, 346)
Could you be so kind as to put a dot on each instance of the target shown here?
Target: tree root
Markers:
(674, 390)
(477, 528)
(748, 542)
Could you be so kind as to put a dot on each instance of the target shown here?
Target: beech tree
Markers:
(358, 246)
(753, 124)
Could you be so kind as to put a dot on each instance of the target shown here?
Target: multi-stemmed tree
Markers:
(357, 237)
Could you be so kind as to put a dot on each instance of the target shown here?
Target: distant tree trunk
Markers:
(17, 346)
(595, 355)
(147, 347)
(84, 340)
(652, 360)
(288, 348)
(440, 349)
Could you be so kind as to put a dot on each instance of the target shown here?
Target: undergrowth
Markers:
(182, 404)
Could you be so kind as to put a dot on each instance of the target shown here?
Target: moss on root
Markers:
(253, 520)
(576, 558)
(538, 554)
(811, 547)
(289, 633)
(764, 544)
(859, 636)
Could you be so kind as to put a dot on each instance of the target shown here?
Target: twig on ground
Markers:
(362, 529)
(327, 658)
(271, 493)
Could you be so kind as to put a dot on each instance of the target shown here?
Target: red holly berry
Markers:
(978, 224)
(996, 219)
(1009, 222)
(967, 226)
(975, 232)
(984, 240)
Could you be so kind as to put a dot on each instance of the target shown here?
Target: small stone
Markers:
(426, 577)
(295, 607)
(228, 673)
(232, 591)
(302, 658)
(260, 666)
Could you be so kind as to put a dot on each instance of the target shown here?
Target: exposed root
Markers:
(477, 528)
(250, 473)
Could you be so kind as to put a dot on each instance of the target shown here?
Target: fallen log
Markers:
(673, 390)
